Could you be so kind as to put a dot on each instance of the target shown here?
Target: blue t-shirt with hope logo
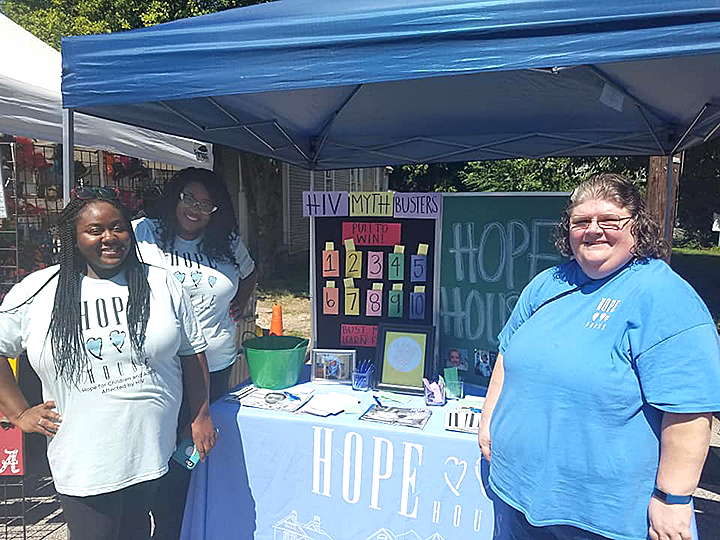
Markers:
(575, 432)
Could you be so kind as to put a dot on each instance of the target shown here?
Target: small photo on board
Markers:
(456, 358)
(484, 362)
(329, 365)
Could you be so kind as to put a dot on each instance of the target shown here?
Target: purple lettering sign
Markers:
(325, 203)
(417, 205)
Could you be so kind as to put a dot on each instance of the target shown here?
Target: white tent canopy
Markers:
(31, 106)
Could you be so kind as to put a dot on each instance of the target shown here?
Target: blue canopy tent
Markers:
(350, 83)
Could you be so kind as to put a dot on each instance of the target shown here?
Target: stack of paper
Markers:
(276, 400)
(331, 403)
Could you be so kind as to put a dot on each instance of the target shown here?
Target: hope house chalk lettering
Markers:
(507, 246)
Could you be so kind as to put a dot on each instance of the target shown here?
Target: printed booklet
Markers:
(275, 400)
(397, 416)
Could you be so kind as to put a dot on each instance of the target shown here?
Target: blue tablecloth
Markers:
(275, 475)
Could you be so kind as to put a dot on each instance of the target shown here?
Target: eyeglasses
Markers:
(86, 193)
(190, 201)
(607, 222)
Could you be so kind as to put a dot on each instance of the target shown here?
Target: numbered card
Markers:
(418, 268)
(373, 306)
(352, 301)
(395, 303)
(331, 300)
(353, 264)
(417, 305)
(331, 263)
(396, 266)
(375, 264)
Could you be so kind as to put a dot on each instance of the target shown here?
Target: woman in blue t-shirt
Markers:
(599, 406)
(195, 237)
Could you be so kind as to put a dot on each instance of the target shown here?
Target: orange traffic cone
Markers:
(276, 323)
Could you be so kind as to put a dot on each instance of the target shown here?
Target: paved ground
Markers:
(43, 518)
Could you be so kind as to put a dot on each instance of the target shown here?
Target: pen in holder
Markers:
(362, 376)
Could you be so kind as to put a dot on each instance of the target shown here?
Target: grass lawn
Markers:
(701, 268)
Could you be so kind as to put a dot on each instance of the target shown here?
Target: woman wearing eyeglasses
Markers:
(195, 238)
(597, 416)
(112, 340)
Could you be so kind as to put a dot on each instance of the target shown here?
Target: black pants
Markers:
(169, 506)
(117, 515)
(513, 525)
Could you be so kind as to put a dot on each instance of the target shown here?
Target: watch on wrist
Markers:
(669, 498)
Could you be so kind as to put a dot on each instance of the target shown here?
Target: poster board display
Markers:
(374, 264)
(492, 245)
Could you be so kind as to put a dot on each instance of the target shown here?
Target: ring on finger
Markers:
(40, 421)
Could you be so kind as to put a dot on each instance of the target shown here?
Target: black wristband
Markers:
(669, 498)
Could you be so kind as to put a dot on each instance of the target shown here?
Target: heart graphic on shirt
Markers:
(94, 347)
(179, 276)
(196, 277)
(212, 280)
(479, 476)
(117, 338)
(455, 486)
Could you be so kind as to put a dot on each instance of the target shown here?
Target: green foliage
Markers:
(548, 174)
(699, 195)
(425, 177)
(50, 20)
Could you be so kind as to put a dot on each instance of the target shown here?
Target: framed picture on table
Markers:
(404, 356)
(332, 365)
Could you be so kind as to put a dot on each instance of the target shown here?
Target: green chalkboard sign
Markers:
(492, 245)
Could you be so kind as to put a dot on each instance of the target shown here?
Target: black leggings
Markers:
(169, 506)
(117, 515)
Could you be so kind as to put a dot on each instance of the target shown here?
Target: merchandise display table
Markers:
(277, 475)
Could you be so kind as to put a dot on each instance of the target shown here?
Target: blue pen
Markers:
(377, 401)
(291, 396)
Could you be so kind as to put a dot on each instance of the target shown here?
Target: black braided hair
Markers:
(222, 222)
(66, 334)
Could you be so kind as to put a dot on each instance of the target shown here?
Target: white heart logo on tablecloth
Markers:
(479, 476)
(455, 487)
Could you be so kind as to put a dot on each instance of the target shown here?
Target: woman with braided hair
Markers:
(112, 355)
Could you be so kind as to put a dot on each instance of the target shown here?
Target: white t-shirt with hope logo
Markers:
(211, 284)
(120, 419)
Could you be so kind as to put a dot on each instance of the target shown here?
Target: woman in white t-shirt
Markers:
(195, 237)
(112, 340)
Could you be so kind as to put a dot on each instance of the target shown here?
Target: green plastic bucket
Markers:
(275, 361)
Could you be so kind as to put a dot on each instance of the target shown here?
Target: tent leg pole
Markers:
(68, 151)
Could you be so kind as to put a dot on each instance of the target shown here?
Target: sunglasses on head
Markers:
(86, 193)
